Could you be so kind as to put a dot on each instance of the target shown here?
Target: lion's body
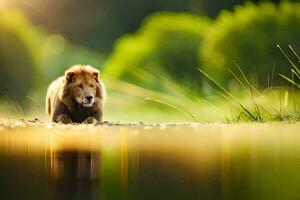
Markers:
(61, 103)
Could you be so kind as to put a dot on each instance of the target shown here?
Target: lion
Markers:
(76, 97)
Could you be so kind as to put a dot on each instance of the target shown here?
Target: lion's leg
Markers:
(63, 118)
(90, 120)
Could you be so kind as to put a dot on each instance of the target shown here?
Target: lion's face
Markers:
(84, 92)
(83, 85)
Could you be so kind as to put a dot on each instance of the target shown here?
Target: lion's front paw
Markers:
(90, 120)
(65, 119)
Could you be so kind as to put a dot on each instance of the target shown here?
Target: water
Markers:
(245, 161)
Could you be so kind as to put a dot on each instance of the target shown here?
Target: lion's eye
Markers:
(80, 86)
(92, 85)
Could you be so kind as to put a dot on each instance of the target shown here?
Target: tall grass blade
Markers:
(12, 103)
(187, 113)
(251, 91)
(17, 104)
(36, 102)
(251, 87)
(294, 52)
(237, 78)
(290, 80)
(295, 73)
(251, 116)
(290, 61)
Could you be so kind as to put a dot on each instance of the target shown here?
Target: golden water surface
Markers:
(187, 161)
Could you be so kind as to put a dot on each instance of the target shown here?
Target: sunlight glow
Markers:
(4, 4)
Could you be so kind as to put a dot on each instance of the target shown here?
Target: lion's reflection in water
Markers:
(74, 174)
(75, 165)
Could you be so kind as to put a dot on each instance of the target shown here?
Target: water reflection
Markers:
(74, 165)
(204, 162)
(74, 174)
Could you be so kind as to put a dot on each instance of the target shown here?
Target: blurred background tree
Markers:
(98, 23)
(166, 42)
(249, 35)
(19, 55)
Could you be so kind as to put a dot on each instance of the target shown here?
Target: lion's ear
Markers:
(70, 76)
(96, 75)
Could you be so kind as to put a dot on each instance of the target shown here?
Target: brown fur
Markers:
(65, 93)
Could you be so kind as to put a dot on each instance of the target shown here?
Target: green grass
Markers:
(137, 103)
(258, 112)
(294, 70)
(251, 115)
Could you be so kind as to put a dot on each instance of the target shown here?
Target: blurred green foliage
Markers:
(60, 54)
(166, 42)
(98, 23)
(19, 55)
(249, 36)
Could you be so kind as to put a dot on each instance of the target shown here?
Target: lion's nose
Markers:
(89, 97)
